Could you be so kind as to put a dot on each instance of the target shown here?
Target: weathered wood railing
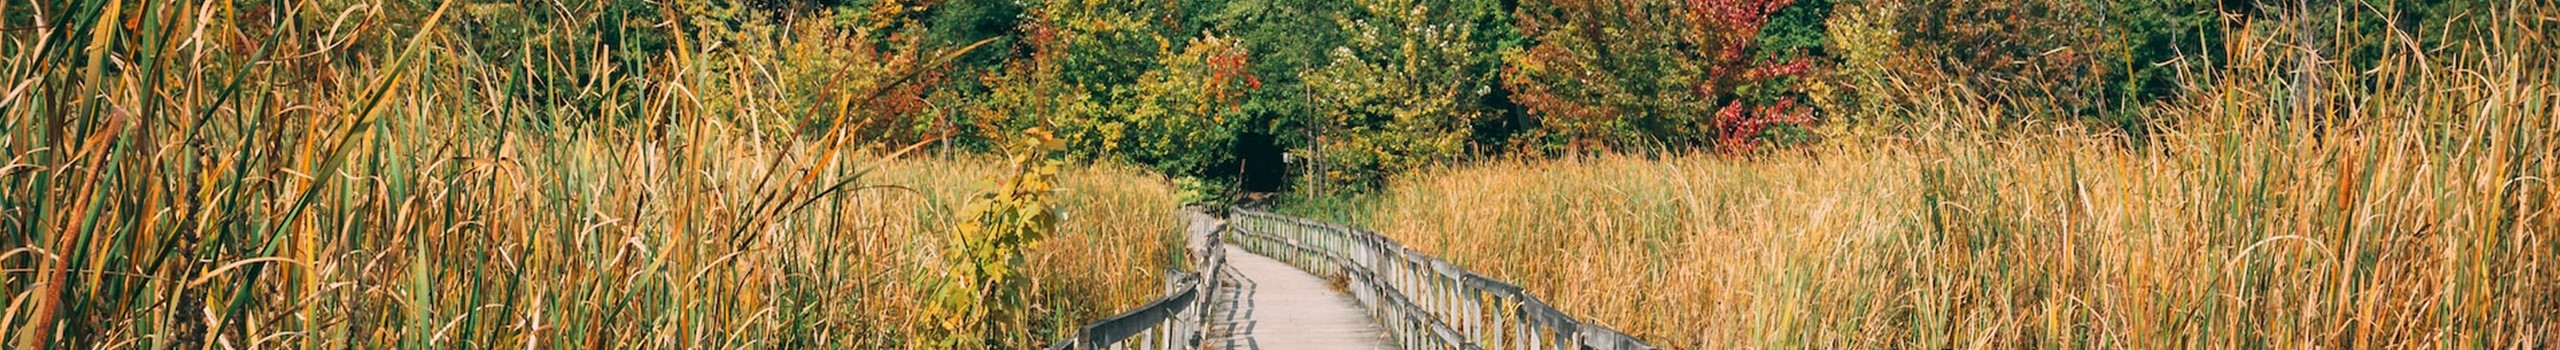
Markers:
(1424, 302)
(1179, 319)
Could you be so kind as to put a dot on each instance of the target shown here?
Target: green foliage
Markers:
(1079, 53)
(1867, 48)
(1795, 30)
(566, 59)
(1286, 38)
(2159, 41)
(815, 65)
(961, 22)
(2365, 35)
(1193, 190)
(2102, 60)
(1118, 83)
(1184, 115)
(1404, 92)
(1105, 44)
(2160, 37)
(2050, 50)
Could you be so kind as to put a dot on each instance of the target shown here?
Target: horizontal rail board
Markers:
(1121, 327)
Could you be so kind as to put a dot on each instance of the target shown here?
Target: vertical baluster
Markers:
(1445, 297)
(1423, 283)
(1329, 237)
(1485, 317)
(1471, 329)
(1568, 341)
(1547, 338)
(1175, 335)
(1431, 303)
(1501, 321)
(1466, 305)
(1463, 304)
(1528, 334)
(1537, 337)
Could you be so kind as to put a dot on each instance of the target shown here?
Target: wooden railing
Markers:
(1422, 301)
(1176, 321)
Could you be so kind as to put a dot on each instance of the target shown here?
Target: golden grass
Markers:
(2409, 207)
(594, 243)
(397, 194)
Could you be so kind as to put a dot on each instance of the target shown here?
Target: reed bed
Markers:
(191, 175)
(2405, 204)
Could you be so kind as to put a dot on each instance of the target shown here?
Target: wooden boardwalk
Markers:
(1268, 304)
(1233, 298)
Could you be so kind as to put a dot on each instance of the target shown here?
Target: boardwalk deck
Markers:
(1271, 305)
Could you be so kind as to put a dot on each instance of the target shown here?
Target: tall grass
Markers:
(2407, 203)
(331, 175)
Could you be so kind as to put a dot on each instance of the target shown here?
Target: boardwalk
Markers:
(1271, 305)
(1233, 297)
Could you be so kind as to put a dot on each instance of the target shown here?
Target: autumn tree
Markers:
(1604, 73)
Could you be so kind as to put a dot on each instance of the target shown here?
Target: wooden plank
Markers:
(1268, 304)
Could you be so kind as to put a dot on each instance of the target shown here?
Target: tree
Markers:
(1082, 58)
(1184, 114)
(1406, 90)
(1605, 73)
(1116, 82)
(1287, 38)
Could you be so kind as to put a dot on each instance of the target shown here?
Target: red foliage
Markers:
(1608, 72)
(1224, 69)
(1730, 24)
(1737, 128)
